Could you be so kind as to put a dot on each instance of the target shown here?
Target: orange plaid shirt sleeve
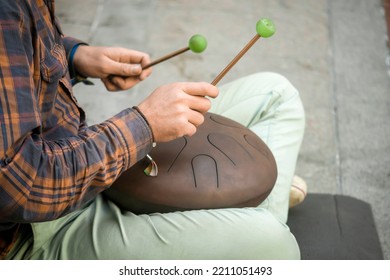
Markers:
(51, 162)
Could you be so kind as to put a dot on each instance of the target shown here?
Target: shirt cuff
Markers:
(69, 43)
(135, 135)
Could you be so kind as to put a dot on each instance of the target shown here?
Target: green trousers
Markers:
(266, 103)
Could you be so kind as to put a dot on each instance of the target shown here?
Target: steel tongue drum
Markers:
(224, 164)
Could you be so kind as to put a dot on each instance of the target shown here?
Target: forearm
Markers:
(44, 180)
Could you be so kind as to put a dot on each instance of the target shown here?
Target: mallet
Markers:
(265, 28)
(196, 44)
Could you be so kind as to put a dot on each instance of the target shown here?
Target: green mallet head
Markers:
(265, 27)
(197, 43)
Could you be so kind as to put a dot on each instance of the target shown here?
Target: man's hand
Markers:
(175, 110)
(118, 68)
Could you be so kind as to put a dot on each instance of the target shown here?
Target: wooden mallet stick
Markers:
(265, 28)
(196, 44)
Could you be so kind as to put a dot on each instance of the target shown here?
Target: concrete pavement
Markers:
(334, 52)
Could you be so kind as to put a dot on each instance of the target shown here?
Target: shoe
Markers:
(298, 191)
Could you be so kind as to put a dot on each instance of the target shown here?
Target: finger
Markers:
(110, 86)
(195, 118)
(123, 83)
(132, 57)
(201, 89)
(199, 103)
(190, 129)
(123, 69)
(145, 73)
(145, 59)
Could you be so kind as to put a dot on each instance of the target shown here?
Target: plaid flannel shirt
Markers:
(51, 162)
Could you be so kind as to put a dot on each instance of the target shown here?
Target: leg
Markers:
(103, 231)
(270, 106)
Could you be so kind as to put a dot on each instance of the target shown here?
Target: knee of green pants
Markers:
(275, 241)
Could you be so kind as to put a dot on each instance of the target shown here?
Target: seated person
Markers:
(54, 166)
